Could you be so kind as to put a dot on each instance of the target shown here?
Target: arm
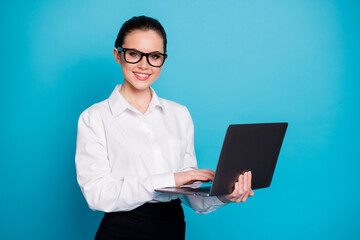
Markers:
(203, 205)
(190, 173)
(102, 190)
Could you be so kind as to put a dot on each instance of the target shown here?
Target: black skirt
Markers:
(149, 221)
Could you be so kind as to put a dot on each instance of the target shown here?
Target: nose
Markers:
(143, 64)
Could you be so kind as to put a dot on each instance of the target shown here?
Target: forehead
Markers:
(144, 40)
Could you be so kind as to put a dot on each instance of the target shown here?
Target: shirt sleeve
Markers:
(102, 190)
(201, 205)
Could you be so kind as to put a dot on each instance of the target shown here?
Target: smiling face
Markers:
(141, 75)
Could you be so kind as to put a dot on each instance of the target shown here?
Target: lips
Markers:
(142, 76)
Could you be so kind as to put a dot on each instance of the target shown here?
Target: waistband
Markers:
(163, 210)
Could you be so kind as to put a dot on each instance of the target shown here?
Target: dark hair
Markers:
(140, 23)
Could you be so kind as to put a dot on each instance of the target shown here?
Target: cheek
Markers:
(157, 71)
(126, 67)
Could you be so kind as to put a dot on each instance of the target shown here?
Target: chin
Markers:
(141, 85)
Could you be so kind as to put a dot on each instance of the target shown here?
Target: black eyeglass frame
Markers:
(120, 49)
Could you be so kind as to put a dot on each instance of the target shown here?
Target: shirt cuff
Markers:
(222, 199)
(163, 180)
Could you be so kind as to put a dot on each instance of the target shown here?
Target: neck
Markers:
(140, 99)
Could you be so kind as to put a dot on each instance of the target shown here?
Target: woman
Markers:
(135, 142)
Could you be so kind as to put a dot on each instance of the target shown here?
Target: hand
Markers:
(188, 177)
(242, 189)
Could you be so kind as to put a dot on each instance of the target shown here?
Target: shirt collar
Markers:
(118, 103)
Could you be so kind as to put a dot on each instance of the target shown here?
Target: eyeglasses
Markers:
(133, 56)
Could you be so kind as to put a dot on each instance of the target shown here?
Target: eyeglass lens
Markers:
(154, 59)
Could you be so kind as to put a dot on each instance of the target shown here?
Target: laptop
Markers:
(246, 147)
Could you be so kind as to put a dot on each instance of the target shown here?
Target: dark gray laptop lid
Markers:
(248, 147)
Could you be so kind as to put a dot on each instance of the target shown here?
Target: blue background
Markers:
(229, 62)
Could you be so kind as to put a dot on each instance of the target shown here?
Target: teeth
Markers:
(142, 75)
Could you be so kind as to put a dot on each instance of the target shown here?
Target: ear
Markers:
(117, 56)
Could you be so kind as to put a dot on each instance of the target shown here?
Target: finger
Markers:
(240, 192)
(249, 179)
(234, 195)
(193, 176)
(236, 189)
(202, 176)
(204, 172)
(241, 184)
(246, 188)
(210, 173)
(251, 193)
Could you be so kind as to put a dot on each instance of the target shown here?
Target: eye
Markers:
(155, 56)
(133, 54)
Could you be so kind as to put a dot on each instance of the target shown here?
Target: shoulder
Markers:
(177, 112)
(95, 112)
(174, 107)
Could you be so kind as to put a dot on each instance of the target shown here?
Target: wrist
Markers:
(223, 199)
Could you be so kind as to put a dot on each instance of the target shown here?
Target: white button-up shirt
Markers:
(122, 155)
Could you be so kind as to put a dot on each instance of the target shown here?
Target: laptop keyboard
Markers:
(200, 189)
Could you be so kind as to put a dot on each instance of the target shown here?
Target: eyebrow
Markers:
(144, 52)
